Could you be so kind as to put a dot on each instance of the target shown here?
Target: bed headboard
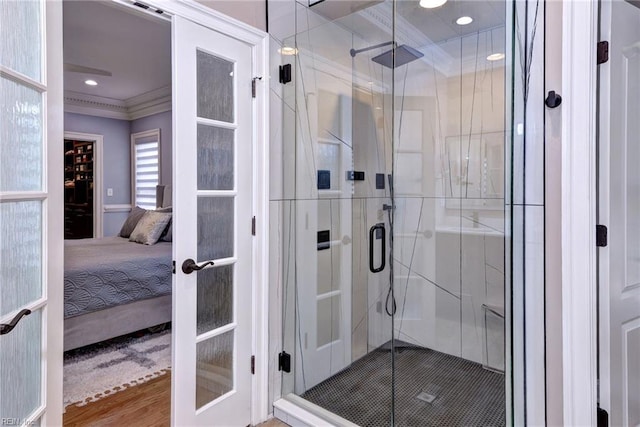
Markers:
(164, 196)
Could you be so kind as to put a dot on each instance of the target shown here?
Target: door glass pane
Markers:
(20, 136)
(215, 227)
(21, 46)
(215, 158)
(215, 298)
(214, 369)
(215, 88)
(20, 254)
(20, 368)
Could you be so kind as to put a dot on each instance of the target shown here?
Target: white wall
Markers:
(252, 12)
(553, 216)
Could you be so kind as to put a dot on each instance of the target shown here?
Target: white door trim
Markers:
(53, 331)
(259, 40)
(579, 71)
(98, 203)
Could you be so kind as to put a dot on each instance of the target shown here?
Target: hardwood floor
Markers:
(146, 405)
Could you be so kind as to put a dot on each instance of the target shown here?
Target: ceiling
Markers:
(439, 24)
(135, 48)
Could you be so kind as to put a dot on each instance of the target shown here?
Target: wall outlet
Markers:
(110, 192)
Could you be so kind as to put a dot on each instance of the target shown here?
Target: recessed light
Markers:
(91, 82)
(430, 4)
(287, 50)
(464, 20)
(495, 57)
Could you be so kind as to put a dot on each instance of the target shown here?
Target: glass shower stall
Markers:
(394, 216)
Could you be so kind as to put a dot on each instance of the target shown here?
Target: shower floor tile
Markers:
(465, 393)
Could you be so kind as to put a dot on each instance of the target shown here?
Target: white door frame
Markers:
(259, 41)
(579, 291)
(53, 331)
(98, 204)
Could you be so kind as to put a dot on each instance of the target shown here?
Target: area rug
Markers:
(100, 370)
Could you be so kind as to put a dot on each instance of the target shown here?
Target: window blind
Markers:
(146, 173)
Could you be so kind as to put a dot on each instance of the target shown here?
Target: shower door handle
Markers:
(372, 239)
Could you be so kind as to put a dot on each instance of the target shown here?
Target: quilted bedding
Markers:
(106, 272)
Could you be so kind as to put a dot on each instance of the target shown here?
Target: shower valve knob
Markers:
(553, 99)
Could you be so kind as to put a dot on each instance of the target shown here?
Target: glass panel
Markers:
(328, 320)
(215, 227)
(21, 47)
(215, 298)
(20, 254)
(215, 158)
(214, 368)
(20, 136)
(215, 88)
(20, 369)
(430, 150)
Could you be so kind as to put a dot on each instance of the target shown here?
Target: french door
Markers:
(619, 209)
(212, 293)
(31, 238)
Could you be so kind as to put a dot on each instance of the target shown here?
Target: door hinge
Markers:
(253, 86)
(284, 362)
(601, 235)
(602, 418)
(603, 52)
(253, 226)
(285, 73)
(173, 269)
(253, 364)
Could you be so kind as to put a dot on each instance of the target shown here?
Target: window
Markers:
(145, 155)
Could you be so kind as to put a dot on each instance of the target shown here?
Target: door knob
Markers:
(189, 266)
(553, 99)
(5, 328)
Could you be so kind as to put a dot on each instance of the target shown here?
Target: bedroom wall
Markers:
(160, 121)
(116, 161)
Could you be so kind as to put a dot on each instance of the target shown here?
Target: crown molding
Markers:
(92, 105)
(152, 102)
(146, 104)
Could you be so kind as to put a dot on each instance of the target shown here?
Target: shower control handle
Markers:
(383, 241)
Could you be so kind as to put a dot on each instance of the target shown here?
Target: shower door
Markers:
(393, 223)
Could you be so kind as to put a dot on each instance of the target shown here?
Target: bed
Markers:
(113, 286)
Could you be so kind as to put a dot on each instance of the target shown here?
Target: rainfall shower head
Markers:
(404, 55)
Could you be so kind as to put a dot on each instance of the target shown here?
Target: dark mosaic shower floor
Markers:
(466, 394)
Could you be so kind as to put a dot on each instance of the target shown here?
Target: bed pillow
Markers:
(150, 227)
(131, 222)
(167, 235)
